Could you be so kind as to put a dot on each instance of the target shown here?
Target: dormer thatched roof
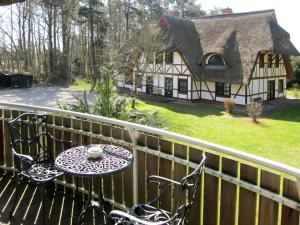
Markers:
(9, 2)
(237, 37)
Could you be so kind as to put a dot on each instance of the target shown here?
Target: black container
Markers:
(19, 80)
(4, 80)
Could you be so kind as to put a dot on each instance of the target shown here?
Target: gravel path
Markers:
(41, 96)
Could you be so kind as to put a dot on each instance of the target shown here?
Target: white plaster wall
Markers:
(236, 87)
(155, 80)
(120, 83)
(183, 96)
(128, 86)
(196, 85)
(211, 86)
(240, 100)
(161, 81)
(176, 58)
(206, 95)
(196, 95)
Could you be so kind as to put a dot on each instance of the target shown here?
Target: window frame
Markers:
(215, 65)
(223, 90)
(280, 86)
(270, 60)
(159, 58)
(277, 60)
(180, 91)
(261, 60)
(169, 58)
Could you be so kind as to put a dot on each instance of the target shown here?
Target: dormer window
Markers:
(169, 58)
(215, 60)
(159, 58)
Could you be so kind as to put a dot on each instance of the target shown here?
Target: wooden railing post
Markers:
(135, 165)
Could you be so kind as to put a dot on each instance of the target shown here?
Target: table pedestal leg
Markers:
(102, 206)
(88, 202)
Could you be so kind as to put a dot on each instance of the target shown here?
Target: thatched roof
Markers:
(9, 2)
(237, 37)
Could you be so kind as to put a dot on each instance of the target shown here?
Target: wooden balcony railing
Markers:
(236, 188)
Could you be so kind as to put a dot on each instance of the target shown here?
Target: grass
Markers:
(295, 93)
(80, 85)
(275, 137)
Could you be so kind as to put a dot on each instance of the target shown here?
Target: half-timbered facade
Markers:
(241, 56)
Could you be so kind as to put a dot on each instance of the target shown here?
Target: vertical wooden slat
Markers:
(290, 216)
(247, 206)
(141, 160)
(152, 166)
(228, 193)
(7, 150)
(211, 191)
(195, 155)
(118, 178)
(180, 170)
(66, 136)
(78, 140)
(1, 139)
(96, 129)
(128, 185)
(268, 209)
(165, 170)
(107, 180)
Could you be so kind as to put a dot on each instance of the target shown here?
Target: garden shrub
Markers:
(254, 110)
(229, 105)
(111, 104)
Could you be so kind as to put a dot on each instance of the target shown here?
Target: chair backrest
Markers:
(29, 136)
(189, 187)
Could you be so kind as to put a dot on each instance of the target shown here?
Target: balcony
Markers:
(236, 188)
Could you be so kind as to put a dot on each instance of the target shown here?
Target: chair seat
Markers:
(41, 173)
(150, 213)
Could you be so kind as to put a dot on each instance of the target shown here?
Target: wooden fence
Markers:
(233, 190)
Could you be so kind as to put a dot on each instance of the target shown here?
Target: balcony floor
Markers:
(62, 209)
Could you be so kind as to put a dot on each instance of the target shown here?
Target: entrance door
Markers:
(271, 89)
(169, 87)
(149, 85)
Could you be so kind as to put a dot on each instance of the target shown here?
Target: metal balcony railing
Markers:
(236, 188)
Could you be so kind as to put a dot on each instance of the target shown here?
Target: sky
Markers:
(287, 12)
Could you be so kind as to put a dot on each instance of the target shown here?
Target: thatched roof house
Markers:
(239, 38)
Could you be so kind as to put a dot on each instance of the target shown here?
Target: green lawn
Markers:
(277, 136)
(80, 85)
(294, 93)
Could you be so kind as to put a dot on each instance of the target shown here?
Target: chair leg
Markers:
(11, 213)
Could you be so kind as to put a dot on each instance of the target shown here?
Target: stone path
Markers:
(42, 96)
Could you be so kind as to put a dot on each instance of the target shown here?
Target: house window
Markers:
(280, 85)
(159, 58)
(277, 60)
(215, 60)
(128, 79)
(261, 60)
(182, 86)
(270, 59)
(139, 81)
(222, 89)
(169, 58)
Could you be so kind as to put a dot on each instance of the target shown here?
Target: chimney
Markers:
(227, 11)
(174, 13)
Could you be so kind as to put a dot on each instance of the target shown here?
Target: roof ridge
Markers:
(237, 14)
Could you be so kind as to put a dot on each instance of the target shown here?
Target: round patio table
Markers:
(75, 161)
